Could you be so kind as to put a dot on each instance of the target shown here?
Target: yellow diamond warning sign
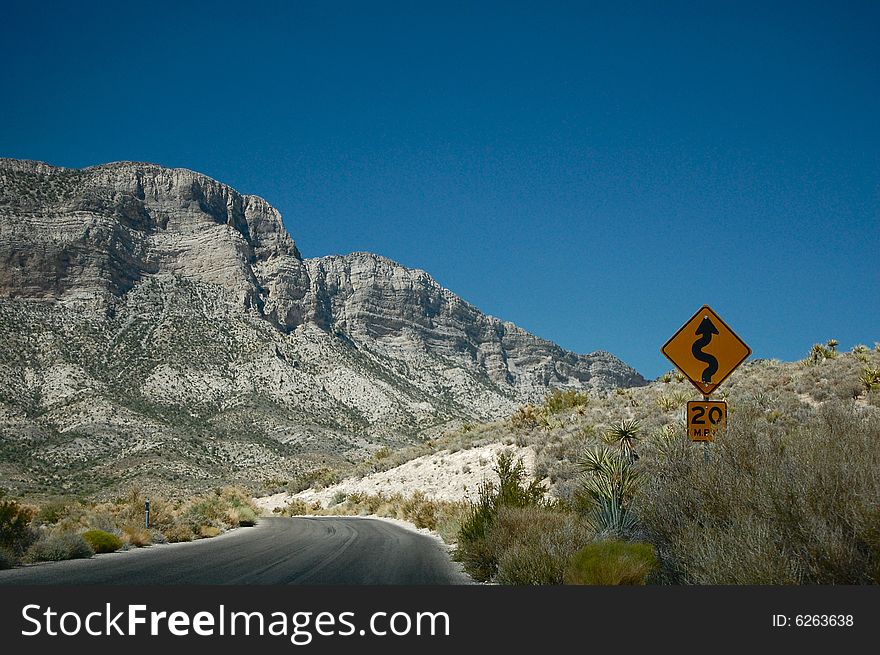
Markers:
(706, 350)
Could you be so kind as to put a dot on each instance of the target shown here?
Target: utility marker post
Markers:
(147, 514)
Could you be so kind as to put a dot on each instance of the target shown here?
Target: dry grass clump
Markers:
(612, 562)
(535, 545)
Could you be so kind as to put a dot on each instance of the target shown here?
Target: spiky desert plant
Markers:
(818, 354)
(607, 485)
(666, 403)
(525, 418)
(832, 345)
(625, 435)
(870, 378)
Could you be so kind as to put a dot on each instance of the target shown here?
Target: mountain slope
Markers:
(162, 329)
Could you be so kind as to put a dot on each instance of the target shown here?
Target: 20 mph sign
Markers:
(706, 350)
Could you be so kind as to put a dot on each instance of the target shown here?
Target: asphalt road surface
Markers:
(314, 550)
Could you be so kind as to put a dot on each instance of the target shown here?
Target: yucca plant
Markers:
(607, 485)
(625, 435)
(666, 403)
(870, 378)
(818, 354)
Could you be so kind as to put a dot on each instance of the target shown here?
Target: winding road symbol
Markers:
(705, 332)
(689, 350)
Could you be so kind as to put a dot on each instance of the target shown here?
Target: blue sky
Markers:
(592, 172)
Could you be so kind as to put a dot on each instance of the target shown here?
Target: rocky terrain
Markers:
(162, 330)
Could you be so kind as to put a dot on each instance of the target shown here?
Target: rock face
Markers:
(157, 323)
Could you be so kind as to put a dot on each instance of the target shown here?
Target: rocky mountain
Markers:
(161, 329)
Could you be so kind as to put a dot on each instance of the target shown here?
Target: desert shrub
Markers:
(102, 542)
(178, 533)
(525, 418)
(512, 490)
(228, 507)
(383, 453)
(318, 478)
(533, 545)
(243, 517)
(612, 562)
(16, 534)
(51, 512)
(558, 401)
(137, 537)
(777, 503)
(208, 531)
(296, 507)
(420, 511)
(57, 547)
(8, 559)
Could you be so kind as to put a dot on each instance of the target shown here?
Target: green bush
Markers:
(612, 563)
(57, 547)
(16, 534)
(102, 542)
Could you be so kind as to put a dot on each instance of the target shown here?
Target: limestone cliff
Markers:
(156, 322)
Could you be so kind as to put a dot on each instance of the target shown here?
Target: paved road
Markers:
(314, 550)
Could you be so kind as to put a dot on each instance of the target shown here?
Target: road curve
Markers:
(277, 551)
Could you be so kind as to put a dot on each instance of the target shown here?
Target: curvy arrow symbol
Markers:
(705, 331)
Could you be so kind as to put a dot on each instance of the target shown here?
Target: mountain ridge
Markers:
(186, 308)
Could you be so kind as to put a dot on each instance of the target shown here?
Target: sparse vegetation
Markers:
(66, 530)
(789, 494)
(443, 517)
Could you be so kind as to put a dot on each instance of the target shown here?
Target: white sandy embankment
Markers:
(441, 476)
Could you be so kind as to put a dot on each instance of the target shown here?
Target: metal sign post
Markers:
(706, 443)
